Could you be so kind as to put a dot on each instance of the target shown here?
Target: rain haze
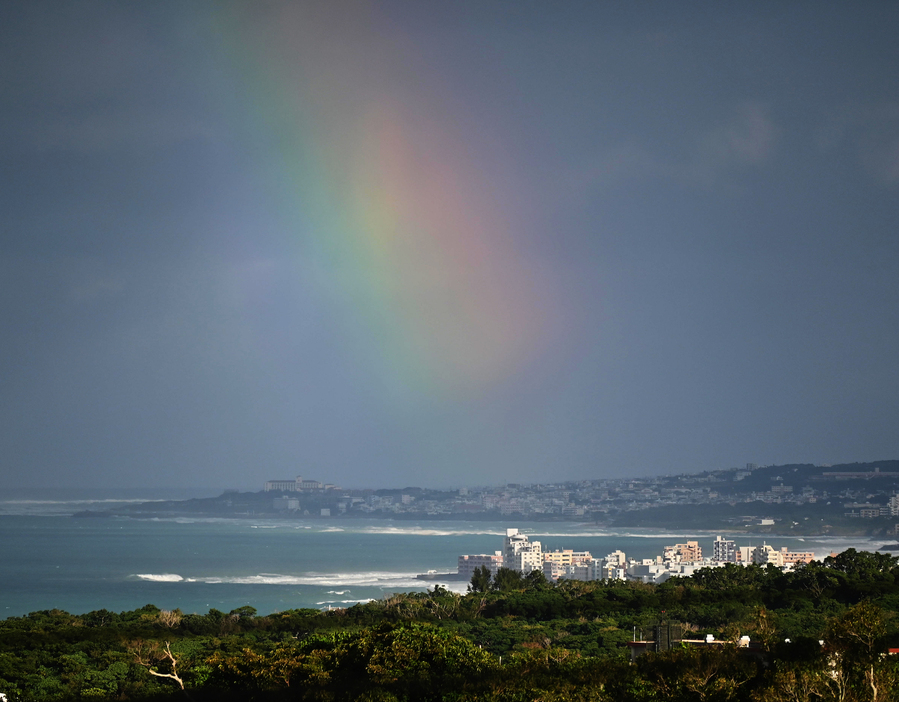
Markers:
(428, 243)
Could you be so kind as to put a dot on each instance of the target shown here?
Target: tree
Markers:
(151, 654)
(245, 612)
(170, 618)
(507, 579)
(480, 580)
(800, 682)
(442, 603)
(260, 671)
(862, 564)
(700, 673)
(854, 641)
(856, 635)
(536, 580)
(816, 579)
(764, 628)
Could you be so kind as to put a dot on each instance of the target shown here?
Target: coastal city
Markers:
(854, 498)
(859, 499)
(521, 554)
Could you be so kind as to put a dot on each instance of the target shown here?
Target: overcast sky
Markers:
(445, 243)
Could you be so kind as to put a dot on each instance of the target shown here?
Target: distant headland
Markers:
(859, 499)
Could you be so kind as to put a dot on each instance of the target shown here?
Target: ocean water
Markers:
(49, 559)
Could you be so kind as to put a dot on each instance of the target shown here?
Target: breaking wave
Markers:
(345, 581)
(160, 577)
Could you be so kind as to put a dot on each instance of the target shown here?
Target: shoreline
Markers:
(605, 530)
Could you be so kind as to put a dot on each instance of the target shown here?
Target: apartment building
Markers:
(566, 563)
(689, 552)
(768, 555)
(724, 551)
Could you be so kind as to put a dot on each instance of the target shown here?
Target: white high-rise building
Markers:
(521, 554)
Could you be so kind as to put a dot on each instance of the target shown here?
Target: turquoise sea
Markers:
(48, 559)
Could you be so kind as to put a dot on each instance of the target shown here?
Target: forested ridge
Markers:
(820, 632)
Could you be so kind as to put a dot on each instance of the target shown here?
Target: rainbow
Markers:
(382, 206)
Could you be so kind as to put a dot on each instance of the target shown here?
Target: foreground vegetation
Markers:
(818, 633)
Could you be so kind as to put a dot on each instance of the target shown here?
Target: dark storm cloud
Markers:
(701, 203)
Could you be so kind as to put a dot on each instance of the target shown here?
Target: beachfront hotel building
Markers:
(521, 554)
(296, 485)
(567, 557)
(468, 564)
(566, 563)
(281, 485)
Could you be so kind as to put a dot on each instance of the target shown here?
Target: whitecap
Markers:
(420, 531)
(160, 577)
(343, 581)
